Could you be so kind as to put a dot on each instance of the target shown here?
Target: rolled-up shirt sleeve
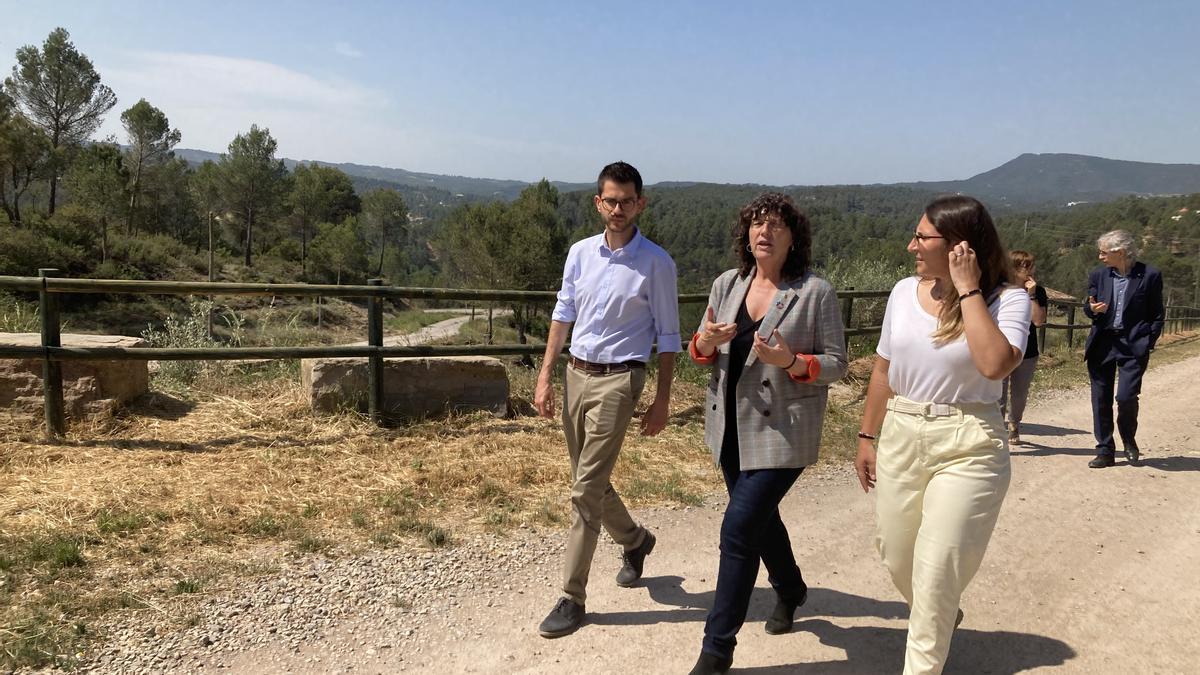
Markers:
(664, 307)
(564, 308)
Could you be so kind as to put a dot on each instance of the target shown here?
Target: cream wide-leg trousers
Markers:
(942, 472)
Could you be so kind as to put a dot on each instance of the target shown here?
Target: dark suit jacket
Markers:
(1143, 314)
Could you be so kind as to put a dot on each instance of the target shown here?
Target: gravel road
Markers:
(1090, 571)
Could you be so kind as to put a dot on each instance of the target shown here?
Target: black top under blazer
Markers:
(778, 419)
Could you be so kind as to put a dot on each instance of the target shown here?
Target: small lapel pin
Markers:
(779, 305)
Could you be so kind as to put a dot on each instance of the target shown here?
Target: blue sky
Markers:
(752, 92)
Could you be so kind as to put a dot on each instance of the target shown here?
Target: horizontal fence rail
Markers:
(47, 285)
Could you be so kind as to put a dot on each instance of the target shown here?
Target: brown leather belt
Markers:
(604, 368)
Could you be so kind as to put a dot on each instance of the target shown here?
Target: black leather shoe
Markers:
(1101, 461)
(709, 664)
(632, 562)
(1133, 454)
(782, 617)
(564, 619)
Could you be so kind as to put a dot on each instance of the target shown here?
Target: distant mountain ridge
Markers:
(455, 185)
(1047, 179)
(1059, 178)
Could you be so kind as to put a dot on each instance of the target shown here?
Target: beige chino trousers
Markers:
(941, 475)
(597, 410)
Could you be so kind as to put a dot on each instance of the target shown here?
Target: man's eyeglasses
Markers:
(922, 238)
(1110, 251)
(609, 203)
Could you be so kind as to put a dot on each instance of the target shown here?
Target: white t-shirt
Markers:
(919, 370)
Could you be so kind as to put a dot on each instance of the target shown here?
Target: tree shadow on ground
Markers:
(874, 649)
(1175, 463)
(692, 413)
(668, 590)
(1049, 430)
(1027, 449)
(869, 649)
(243, 442)
(159, 406)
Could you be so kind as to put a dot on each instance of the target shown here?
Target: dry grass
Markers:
(181, 493)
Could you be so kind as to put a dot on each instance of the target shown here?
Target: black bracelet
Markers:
(869, 437)
(968, 294)
(795, 357)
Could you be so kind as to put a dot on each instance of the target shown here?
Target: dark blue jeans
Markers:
(751, 531)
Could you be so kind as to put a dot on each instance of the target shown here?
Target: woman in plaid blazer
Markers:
(773, 333)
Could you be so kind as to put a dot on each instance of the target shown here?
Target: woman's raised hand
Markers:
(715, 334)
(964, 268)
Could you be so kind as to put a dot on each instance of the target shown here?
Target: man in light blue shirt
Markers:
(619, 290)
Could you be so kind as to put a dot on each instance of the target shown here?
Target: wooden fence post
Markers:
(847, 316)
(1070, 327)
(52, 384)
(375, 362)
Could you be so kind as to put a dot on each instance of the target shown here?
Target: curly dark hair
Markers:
(774, 204)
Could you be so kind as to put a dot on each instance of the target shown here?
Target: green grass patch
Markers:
(120, 522)
(265, 525)
(58, 551)
(398, 503)
(186, 586)
(312, 544)
(38, 638)
(669, 487)
(392, 532)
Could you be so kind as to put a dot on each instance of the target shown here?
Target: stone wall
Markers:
(412, 387)
(89, 387)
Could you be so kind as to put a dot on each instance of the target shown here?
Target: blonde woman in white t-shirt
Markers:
(951, 334)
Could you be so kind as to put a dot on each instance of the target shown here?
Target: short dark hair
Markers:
(620, 173)
(774, 204)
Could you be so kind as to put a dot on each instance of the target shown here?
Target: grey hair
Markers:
(1118, 240)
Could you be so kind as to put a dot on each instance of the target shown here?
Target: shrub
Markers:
(190, 331)
(17, 316)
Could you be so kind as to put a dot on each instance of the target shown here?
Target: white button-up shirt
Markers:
(621, 301)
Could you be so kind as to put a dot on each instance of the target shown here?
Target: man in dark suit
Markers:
(1125, 304)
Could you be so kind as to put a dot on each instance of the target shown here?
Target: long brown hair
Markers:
(962, 218)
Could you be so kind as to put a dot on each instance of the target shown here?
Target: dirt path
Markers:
(442, 330)
(1089, 571)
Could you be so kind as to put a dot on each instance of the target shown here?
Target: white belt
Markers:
(903, 405)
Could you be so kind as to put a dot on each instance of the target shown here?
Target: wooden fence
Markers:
(48, 285)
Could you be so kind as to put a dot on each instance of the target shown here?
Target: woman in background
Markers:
(1016, 386)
